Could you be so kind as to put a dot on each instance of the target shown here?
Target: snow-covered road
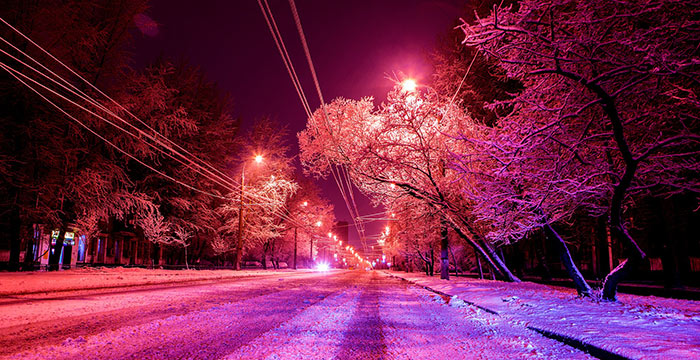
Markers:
(304, 315)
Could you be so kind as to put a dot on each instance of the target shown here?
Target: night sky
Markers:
(354, 45)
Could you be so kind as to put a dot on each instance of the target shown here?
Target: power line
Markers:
(274, 30)
(77, 92)
(342, 171)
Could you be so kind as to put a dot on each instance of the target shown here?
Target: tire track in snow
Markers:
(157, 303)
(316, 333)
(364, 338)
(199, 334)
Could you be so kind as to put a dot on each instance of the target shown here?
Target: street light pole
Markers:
(239, 249)
(295, 248)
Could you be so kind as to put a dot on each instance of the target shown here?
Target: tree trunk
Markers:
(295, 248)
(187, 265)
(478, 264)
(444, 252)
(29, 255)
(619, 232)
(15, 238)
(635, 257)
(486, 252)
(264, 257)
(582, 286)
(432, 261)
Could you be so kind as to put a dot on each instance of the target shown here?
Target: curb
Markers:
(132, 285)
(586, 347)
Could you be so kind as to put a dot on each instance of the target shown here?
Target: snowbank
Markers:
(635, 327)
(100, 278)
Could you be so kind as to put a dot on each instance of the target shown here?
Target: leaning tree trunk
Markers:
(618, 230)
(444, 252)
(582, 286)
(478, 264)
(619, 273)
(485, 250)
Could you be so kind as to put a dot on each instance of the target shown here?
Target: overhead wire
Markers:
(274, 30)
(352, 205)
(14, 74)
(94, 87)
(227, 183)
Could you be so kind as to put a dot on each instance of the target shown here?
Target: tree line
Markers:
(91, 160)
(544, 111)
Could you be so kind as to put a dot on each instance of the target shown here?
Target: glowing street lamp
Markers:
(409, 85)
(239, 250)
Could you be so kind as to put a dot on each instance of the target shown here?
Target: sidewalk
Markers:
(18, 283)
(636, 327)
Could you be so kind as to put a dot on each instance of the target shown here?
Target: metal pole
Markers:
(239, 250)
(295, 248)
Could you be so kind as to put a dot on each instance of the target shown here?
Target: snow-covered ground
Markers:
(638, 327)
(262, 315)
(94, 278)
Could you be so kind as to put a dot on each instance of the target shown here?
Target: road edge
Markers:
(579, 344)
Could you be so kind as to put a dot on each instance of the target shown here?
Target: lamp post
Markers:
(304, 204)
(239, 250)
(311, 247)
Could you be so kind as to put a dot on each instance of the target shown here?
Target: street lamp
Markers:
(239, 250)
(304, 204)
(409, 85)
(311, 247)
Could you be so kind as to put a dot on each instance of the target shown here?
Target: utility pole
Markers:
(295, 248)
(239, 250)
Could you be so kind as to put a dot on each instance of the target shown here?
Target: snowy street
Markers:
(340, 314)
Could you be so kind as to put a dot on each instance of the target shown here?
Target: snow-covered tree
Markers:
(45, 150)
(400, 149)
(518, 185)
(178, 102)
(612, 88)
(305, 210)
(266, 184)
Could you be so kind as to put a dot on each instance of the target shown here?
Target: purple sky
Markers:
(353, 43)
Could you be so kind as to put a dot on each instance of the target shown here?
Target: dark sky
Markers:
(353, 43)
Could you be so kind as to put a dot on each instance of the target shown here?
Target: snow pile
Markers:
(636, 327)
(99, 277)
(418, 328)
